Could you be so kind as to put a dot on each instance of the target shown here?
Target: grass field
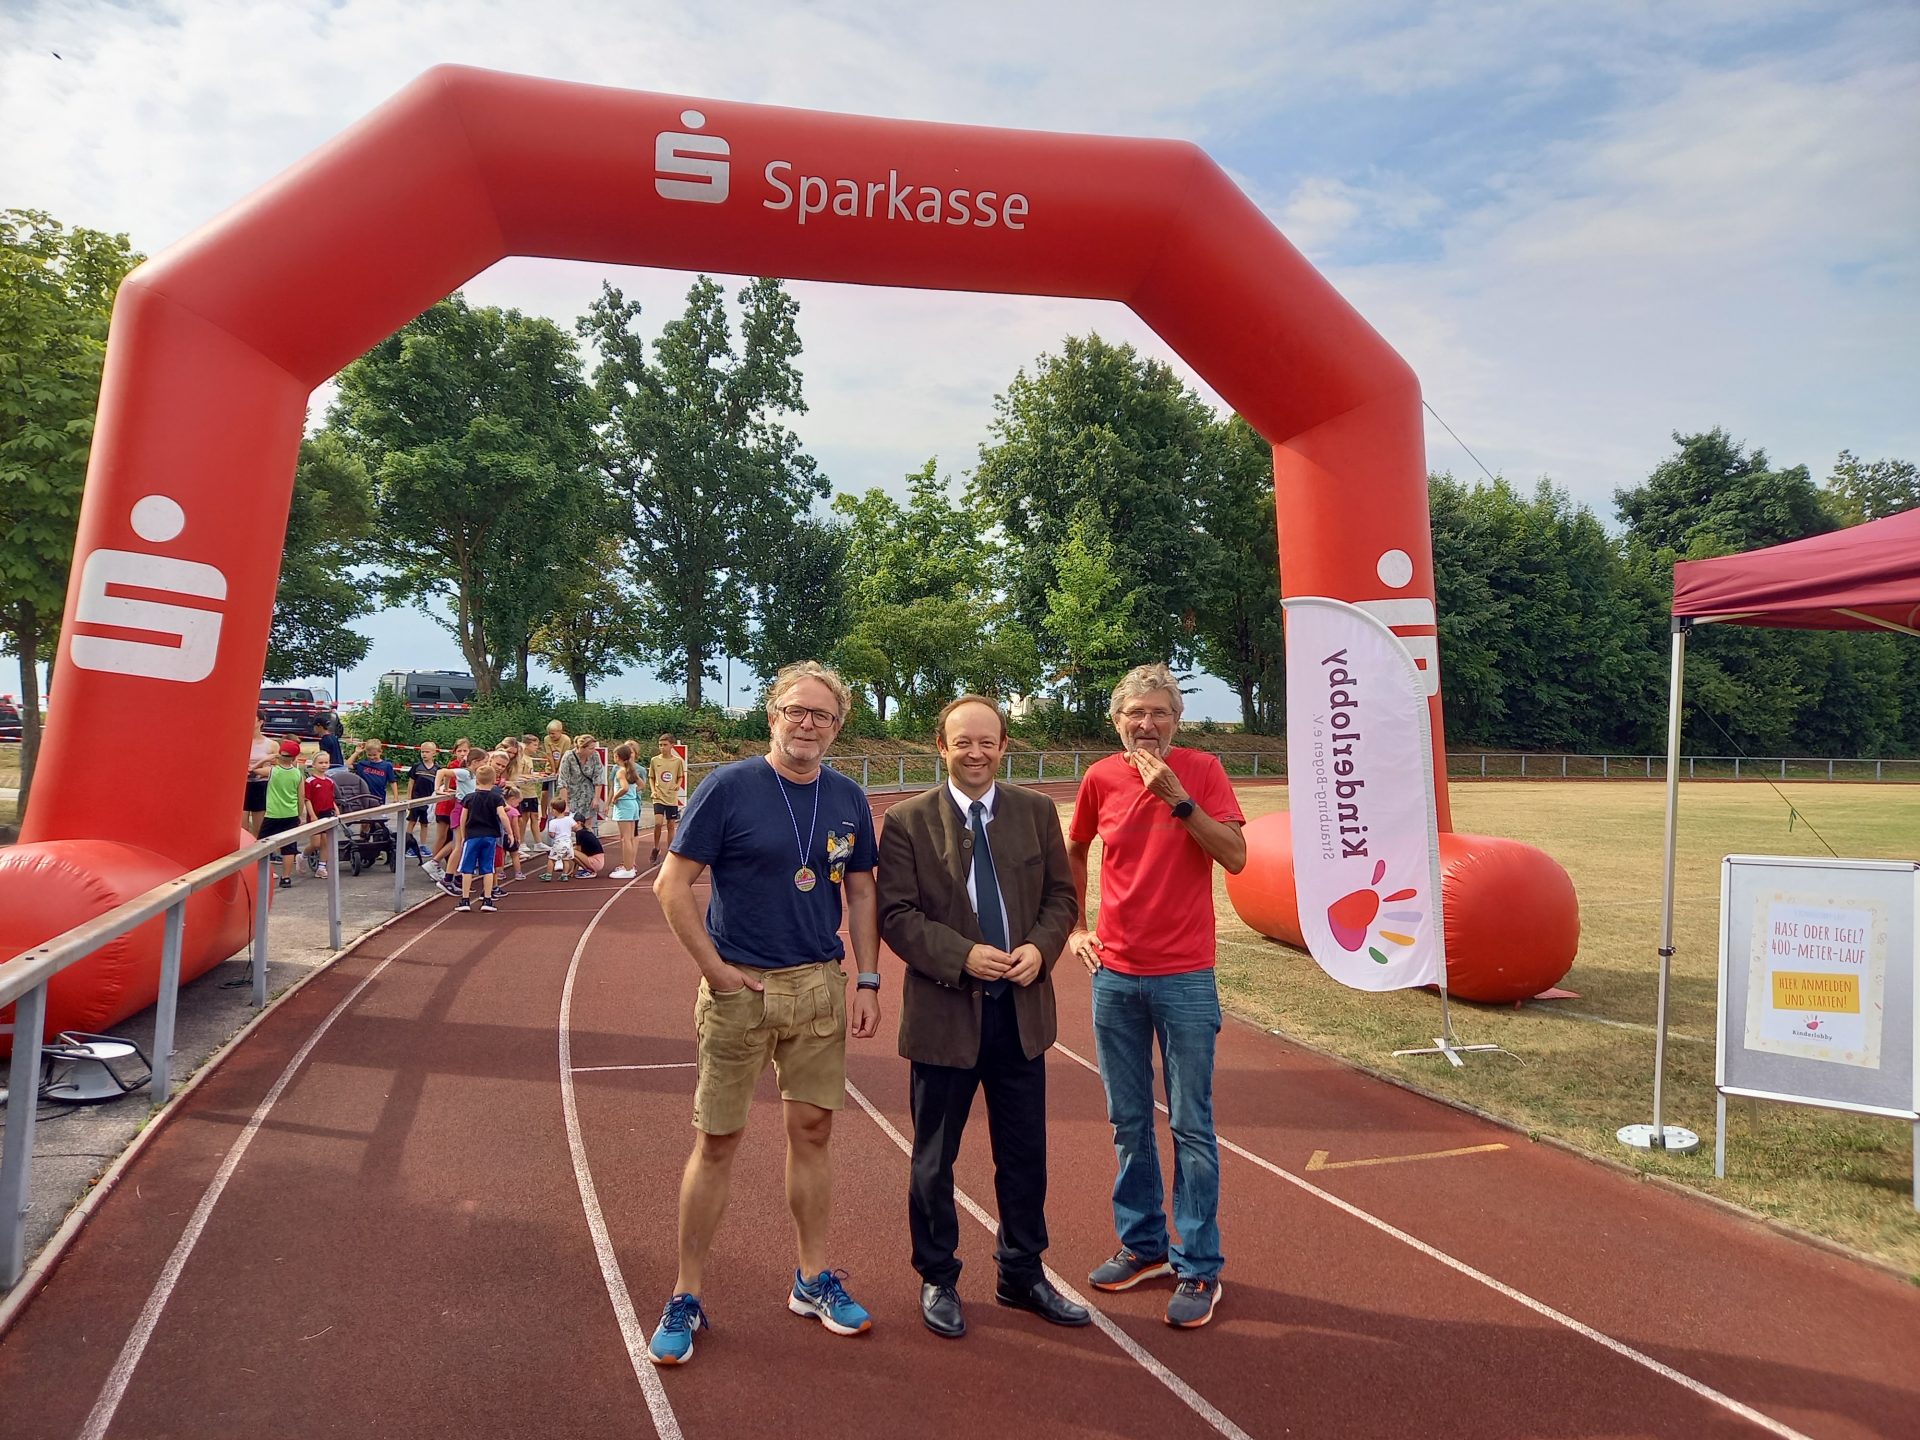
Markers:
(1842, 1176)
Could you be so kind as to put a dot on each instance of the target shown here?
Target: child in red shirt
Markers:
(317, 798)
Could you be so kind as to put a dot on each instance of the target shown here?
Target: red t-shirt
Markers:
(1156, 883)
(320, 794)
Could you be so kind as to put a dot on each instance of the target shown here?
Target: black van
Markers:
(432, 692)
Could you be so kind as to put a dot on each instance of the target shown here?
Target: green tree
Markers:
(800, 605)
(1089, 617)
(925, 623)
(318, 597)
(475, 425)
(1871, 489)
(1238, 629)
(1098, 426)
(591, 628)
(56, 297)
(712, 484)
(1747, 689)
(1714, 498)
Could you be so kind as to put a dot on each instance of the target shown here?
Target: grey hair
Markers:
(792, 675)
(1144, 680)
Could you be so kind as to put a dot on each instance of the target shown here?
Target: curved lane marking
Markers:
(104, 1408)
(1186, 1394)
(632, 1333)
(1705, 1391)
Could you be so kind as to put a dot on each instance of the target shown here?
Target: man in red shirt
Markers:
(1164, 814)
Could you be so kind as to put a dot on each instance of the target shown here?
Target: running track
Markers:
(434, 1195)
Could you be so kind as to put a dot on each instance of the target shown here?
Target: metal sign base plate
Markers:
(1677, 1140)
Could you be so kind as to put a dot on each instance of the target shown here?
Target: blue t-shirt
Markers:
(741, 824)
(378, 774)
(330, 743)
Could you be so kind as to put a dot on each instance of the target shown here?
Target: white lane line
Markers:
(101, 1416)
(1705, 1391)
(595, 1069)
(631, 1330)
(1187, 1395)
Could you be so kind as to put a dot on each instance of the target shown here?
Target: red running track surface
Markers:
(403, 1248)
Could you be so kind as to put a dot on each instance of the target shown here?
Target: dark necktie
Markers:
(986, 890)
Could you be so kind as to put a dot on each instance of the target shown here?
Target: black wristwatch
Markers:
(1183, 809)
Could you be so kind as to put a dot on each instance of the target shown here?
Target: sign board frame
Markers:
(1752, 886)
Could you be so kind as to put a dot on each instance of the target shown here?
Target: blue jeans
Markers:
(1180, 1013)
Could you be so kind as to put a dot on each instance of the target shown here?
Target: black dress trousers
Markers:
(942, 1096)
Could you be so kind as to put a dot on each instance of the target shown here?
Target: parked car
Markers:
(9, 719)
(429, 693)
(290, 709)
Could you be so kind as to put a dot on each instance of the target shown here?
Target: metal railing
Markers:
(1493, 766)
(911, 772)
(24, 978)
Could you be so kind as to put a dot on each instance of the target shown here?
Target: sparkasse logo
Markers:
(696, 167)
(691, 167)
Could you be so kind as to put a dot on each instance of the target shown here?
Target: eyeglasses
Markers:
(1156, 715)
(794, 714)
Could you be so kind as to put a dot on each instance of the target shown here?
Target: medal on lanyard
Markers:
(803, 879)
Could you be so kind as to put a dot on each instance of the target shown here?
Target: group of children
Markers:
(485, 810)
(297, 795)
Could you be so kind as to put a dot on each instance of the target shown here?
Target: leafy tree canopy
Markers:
(712, 484)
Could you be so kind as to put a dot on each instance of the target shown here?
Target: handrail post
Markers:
(864, 778)
(1483, 764)
(400, 861)
(166, 1008)
(332, 833)
(23, 1101)
(1041, 772)
(263, 888)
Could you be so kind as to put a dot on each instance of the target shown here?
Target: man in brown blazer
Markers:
(976, 896)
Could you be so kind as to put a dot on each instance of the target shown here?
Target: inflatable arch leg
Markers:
(218, 342)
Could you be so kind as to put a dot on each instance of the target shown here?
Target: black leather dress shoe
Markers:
(940, 1308)
(1043, 1300)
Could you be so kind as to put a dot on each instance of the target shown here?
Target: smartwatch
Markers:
(1183, 809)
(869, 980)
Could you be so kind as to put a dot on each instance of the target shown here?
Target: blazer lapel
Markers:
(956, 850)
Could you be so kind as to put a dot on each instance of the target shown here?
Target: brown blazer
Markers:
(926, 854)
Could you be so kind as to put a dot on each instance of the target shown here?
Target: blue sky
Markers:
(1584, 226)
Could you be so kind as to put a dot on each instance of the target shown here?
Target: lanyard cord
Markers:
(781, 781)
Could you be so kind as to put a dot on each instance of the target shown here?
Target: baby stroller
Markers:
(365, 842)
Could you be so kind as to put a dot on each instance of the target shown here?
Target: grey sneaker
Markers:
(1126, 1270)
(1192, 1303)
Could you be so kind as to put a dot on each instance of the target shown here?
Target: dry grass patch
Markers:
(1843, 1176)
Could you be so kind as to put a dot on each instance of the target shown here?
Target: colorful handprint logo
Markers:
(1351, 916)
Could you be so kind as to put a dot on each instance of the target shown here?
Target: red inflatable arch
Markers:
(218, 342)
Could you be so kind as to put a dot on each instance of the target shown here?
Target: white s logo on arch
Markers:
(691, 167)
(186, 637)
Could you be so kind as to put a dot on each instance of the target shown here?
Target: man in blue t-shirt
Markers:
(783, 839)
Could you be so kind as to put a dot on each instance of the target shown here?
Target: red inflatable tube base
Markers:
(51, 887)
(1512, 919)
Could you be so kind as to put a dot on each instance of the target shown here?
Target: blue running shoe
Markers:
(826, 1300)
(672, 1342)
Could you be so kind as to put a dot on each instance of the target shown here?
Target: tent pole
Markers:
(1660, 1135)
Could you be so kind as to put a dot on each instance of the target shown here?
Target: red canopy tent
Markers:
(1866, 577)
